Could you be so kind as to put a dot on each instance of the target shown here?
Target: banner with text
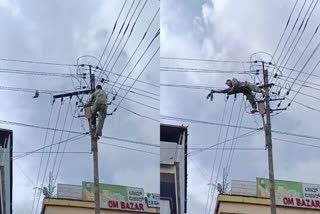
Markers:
(290, 193)
(153, 200)
(115, 197)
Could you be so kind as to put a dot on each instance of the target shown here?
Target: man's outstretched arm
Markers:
(223, 91)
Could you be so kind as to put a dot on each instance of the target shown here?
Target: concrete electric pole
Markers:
(269, 139)
(94, 148)
(94, 140)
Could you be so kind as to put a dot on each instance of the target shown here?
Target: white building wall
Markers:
(165, 207)
(69, 191)
(243, 188)
(6, 183)
(174, 154)
(168, 153)
(182, 178)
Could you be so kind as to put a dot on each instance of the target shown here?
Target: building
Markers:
(114, 199)
(253, 197)
(6, 170)
(173, 169)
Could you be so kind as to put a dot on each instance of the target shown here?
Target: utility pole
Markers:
(269, 139)
(94, 148)
(92, 127)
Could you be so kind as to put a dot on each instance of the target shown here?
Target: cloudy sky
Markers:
(66, 32)
(236, 31)
(62, 32)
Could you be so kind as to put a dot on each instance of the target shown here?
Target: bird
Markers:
(36, 95)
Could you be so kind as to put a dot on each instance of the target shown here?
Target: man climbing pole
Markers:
(235, 87)
(98, 102)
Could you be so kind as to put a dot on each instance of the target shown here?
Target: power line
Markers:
(215, 156)
(44, 143)
(235, 139)
(138, 89)
(204, 60)
(304, 105)
(300, 72)
(63, 127)
(137, 102)
(188, 86)
(74, 138)
(243, 127)
(304, 85)
(28, 90)
(133, 92)
(205, 122)
(221, 159)
(124, 33)
(291, 32)
(199, 150)
(77, 132)
(290, 69)
(56, 92)
(123, 147)
(298, 33)
(197, 70)
(35, 73)
(65, 146)
(287, 24)
(25, 174)
(209, 88)
(118, 35)
(48, 160)
(156, 35)
(37, 151)
(298, 143)
(114, 27)
(36, 62)
(132, 28)
(305, 79)
(130, 78)
(137, 114)
(136, 49)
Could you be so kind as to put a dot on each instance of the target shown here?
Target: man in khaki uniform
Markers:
(246, 88)
(98, 101)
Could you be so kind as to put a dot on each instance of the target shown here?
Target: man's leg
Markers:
(254, 88)
(251, 100)
(102, 117)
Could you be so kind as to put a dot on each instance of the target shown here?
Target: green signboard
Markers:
(115, 196)
(290, 193)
